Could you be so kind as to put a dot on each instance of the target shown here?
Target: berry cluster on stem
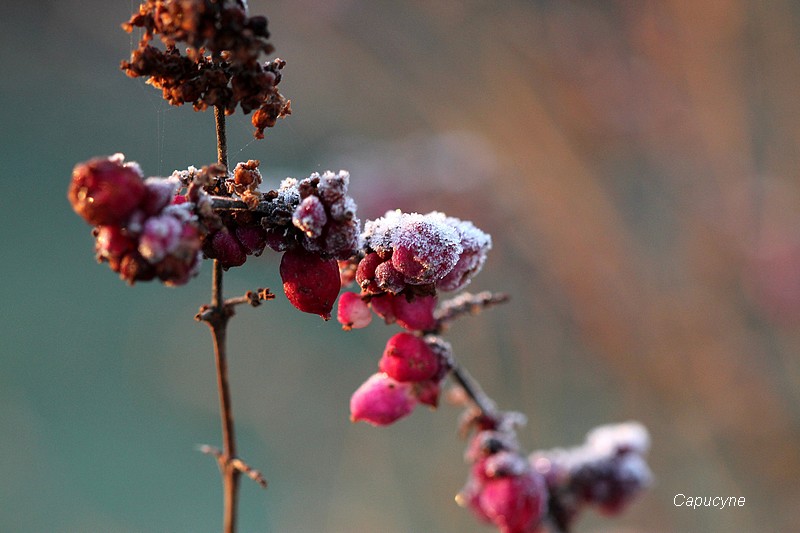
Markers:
(162, 228)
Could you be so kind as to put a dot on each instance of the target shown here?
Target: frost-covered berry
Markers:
(381, 401)
(475, 244)
(516, 503)
(310, 217)
(611, 484)
(415, 314)
(159, 193)
(388, 279)
(159, 236)
(408, 358)
(353, 312)
(424, 249)
(504, 490)
(311, 283)
(106, 191)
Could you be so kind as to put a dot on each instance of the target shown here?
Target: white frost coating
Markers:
(425, 248)
(610, 438)
(378, 233)
(633, 468)
(159, 236)
(288, 193)
(476, 245)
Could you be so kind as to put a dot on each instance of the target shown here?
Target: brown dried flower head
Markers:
(220, 66)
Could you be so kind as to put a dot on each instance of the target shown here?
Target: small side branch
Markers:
(466, 303)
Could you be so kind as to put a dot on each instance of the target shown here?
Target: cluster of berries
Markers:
(140, 232)
(502, 487)
(607, 472)
(516, 493)
(229, 75)
(314, 221)
(407, 258)
(411, 371)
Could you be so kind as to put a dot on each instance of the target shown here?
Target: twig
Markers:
(464, 304)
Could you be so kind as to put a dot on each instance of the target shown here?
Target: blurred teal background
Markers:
(636, 163)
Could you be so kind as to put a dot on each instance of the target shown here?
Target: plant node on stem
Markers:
(216, 316)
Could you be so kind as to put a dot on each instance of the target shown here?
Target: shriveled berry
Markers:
(408, 358)
(310, 282)
(112, 243)
(134, 267)
(353, 312)
(105, 191)
(415, 314)
(227, 249)
(381, 400)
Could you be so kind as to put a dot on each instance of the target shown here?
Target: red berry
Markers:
(417, 314)
(427, 392)
(112, 243)
(353, 312)
(310, 282)
(365, 273)
(408, 358)
(253, 238)
(106, 191)
(384, 307)
(227, 249)
(516, 503)
(381, 400)
(388, 278)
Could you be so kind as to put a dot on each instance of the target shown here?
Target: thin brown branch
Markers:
(466, 303)
(253, 298)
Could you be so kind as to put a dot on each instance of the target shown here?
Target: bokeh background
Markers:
(635, 161)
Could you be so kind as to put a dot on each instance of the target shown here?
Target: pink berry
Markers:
(408, 358)
(310, 282)
(516, 503)
(104, 191)
(416, 314)
(353, 312)
(381, 400)
(383, 306)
